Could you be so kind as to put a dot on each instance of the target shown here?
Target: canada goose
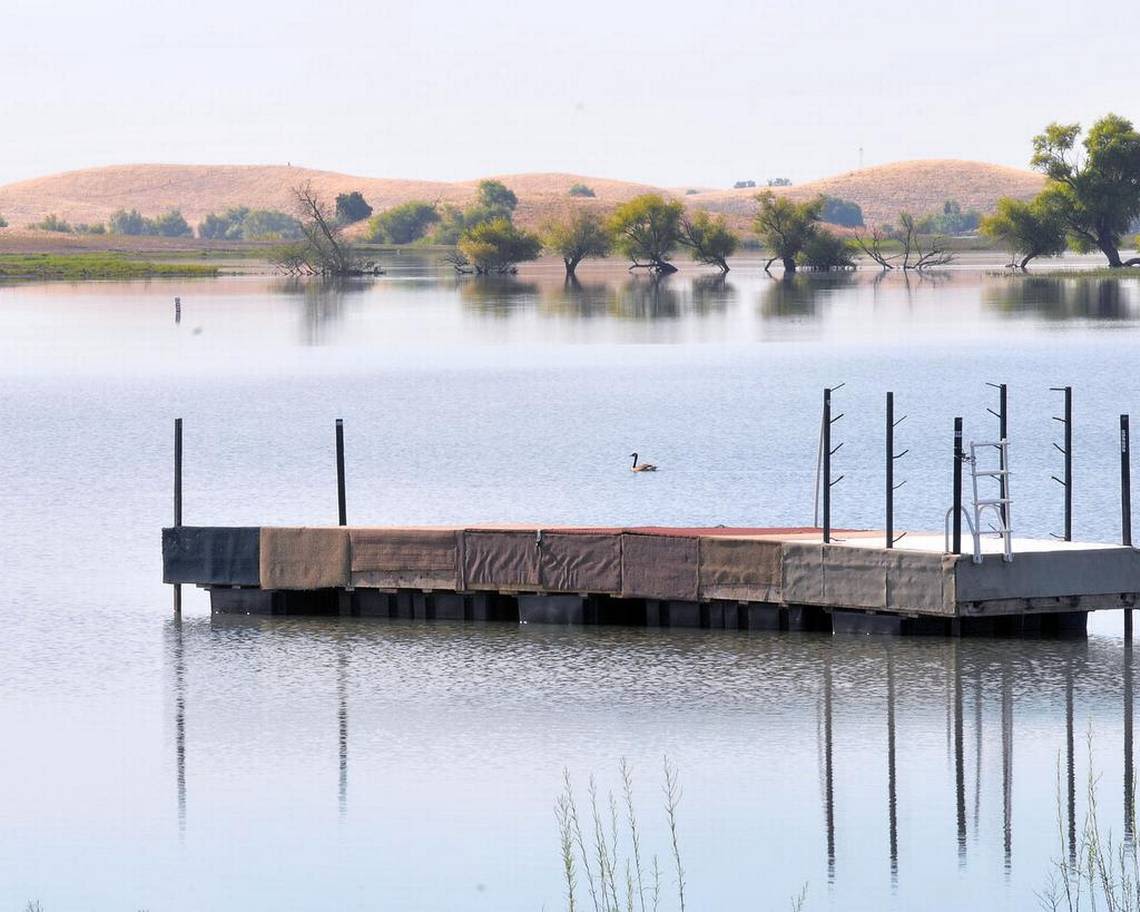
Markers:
(644, 467)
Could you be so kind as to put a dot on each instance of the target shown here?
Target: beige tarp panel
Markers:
(747, 570)
(500, 560)
(304, 558)
(580, 562)
(839, 577)
(659, 567)
(405, 558)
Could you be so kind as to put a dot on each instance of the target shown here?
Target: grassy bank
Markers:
(94, 266)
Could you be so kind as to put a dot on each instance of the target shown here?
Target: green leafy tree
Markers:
(129, 223)
(498, 246)
(951, 220)
(582, 190)
(582, 234)
(270, 225)
(3, 222)
(1097, 194)
(785, 227)
(493, 194)
(404, 224)
(843, 212)
(351, 208)
(1029, 230)
(709, 239)
(826, 250)
(170, 224)
(226, 226)
(646, 230)
(53, 222)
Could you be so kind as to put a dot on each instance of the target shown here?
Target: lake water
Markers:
(288, 764)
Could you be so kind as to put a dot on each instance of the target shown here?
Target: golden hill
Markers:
(93, 194)
(885, 190)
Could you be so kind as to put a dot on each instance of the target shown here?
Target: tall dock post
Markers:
(956, 545)
(1067, 452)
(1126, 506)
(890, 543)
(178, 502)
(891, 457)
(1002, 415)
(826, 466)
(342, 509)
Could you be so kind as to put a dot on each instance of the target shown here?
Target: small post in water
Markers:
(340, 495)
(956, 545)
(177, 501)
(1126, 506)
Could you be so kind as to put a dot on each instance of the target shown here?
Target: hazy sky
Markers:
(667, 92)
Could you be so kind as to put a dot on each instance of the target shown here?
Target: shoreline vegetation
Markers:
(97, 265)
(1090, 202)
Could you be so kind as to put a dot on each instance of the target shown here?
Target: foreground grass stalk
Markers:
(672, 800)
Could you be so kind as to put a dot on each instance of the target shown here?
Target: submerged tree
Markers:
(581, 235)
(710, 239)
(324, 250)
(1096, 195)
(498, 246)
(874, 247)
(1029, 230)
(919, 253)
(647, 229)
(825, 250)
(785, 227)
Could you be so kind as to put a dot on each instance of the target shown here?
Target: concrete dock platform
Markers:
(751, 579)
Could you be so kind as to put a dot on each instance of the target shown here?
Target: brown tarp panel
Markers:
(659, 567)
(500, 560)
(839, 577)
(746, 570)
(572, 562)
(405, 558)
(304, 558)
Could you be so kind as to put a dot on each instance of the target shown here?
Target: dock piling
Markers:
(342, 509)
(1067, 452)
(959, 455)
(178, 501)
(1126, 506)
(828, 452)
(1002, 415)
(890, 460)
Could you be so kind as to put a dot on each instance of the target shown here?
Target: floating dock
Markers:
(739, 579)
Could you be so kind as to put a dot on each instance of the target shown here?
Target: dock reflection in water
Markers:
(746, 699)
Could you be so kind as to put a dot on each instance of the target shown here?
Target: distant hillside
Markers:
(92, 195)
(885, 190)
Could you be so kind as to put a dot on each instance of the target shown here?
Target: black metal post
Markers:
(827, 466)
(1002, 415)
(177, 500)
(1068, 463)
(956, 545)
(890, 470)
(342, 514)
(1126, 506)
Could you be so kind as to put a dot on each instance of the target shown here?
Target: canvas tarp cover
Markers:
(574, 562)
(500, 560)
(659, 567)
(210, 555)
(405, 558)
(741, 569)
(841, 577)
(304, 558)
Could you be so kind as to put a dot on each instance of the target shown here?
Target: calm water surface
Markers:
(296, 765)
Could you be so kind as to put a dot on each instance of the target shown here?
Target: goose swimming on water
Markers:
(644, 467)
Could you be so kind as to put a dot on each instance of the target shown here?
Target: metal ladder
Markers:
(996, 509)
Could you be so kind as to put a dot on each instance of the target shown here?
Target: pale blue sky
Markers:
(670, 93)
